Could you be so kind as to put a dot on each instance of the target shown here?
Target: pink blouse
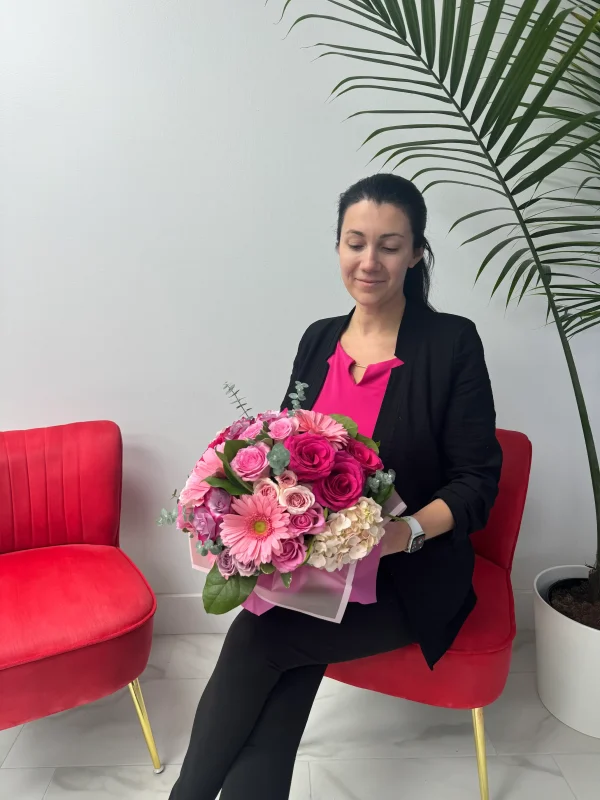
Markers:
(360, 401)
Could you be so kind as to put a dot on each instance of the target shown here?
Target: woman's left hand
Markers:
(395, 539)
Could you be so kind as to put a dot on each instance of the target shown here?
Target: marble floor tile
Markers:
(7, 739)
(24, 784)
(582, 773)
(183, 656)
(517, 778)
(108, 732)
(111, 783)
(352, 723)
(523, 655)
(135, 783)
(519, 723)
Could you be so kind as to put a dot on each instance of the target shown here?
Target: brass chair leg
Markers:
(479, 731)
(140, 707)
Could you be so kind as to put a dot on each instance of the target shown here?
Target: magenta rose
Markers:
(251, 463)
(218, 502)
(311, 456)
(280, 429)
(344, 487)
(204, 524)
(291, 556)
(312, 521)
(367, 458)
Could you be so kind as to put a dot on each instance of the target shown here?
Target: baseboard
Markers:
(184, 613)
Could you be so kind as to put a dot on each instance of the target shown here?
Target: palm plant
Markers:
(515, 100)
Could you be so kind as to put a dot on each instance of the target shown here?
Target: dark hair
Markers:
(402, 193)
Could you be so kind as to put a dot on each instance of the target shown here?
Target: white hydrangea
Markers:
(350, 535)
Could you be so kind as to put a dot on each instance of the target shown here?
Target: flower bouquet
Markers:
(277, 497)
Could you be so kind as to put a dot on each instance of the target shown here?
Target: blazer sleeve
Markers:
(471, 454)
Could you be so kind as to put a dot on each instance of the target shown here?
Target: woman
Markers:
(416, 381)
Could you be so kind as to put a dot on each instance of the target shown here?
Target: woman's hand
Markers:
(435, 519)
(395, 539)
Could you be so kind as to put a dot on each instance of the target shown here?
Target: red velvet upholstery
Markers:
(76, 621)
(473, 672)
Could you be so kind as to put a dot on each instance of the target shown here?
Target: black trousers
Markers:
(253, 712)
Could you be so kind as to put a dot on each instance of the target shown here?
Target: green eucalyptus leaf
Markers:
(286, 578)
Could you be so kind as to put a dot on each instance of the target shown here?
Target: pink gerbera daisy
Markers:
(323, 425)
(255, 529)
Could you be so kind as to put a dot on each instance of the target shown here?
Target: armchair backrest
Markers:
(60, 485)
(497, 541)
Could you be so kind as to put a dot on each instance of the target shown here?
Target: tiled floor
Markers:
(357, 746)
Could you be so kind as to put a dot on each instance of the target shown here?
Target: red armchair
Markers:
(474, 671)
(76, 614)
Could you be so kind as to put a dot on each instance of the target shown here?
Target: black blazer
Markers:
(437, 429)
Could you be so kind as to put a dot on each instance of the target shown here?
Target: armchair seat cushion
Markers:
(76, 624)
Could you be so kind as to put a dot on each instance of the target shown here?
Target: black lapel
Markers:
(410, 336)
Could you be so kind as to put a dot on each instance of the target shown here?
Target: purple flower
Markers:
(238, 428)
(203, 523)
(226, 564)
(244, 569)
(218, 502)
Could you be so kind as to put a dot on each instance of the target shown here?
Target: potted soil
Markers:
(567, 625)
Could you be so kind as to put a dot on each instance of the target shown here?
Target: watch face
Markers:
(417, 543)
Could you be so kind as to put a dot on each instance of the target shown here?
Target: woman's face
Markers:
(376, 251)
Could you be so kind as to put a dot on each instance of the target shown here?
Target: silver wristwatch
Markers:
(417, 535)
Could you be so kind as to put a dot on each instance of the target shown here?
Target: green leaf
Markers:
(412, 21)
(267, 569)
(286, 578)
(508, 267)
(476, 214)
(311, 544)
(447, 36)
(233, 488)
(396, 17)
(535, 106)
(461, 44)
(368, 442)
(221, 595)
(503, 58)
(555, 163)
(233, 447)
(429, 30)
(232, 476)
(482, 49)
(348, 423)
(522, 71)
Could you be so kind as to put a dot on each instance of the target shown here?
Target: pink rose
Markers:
(344, 487)
(268, 416)
(297, 499)
(251, 463)
(311, 456)
(267, 488)
(291, 556)
(196, 488)
(184, 517)
(280, 429)
(253, 430)
(367, 458)
(218, 502)
(287, 479)
(204, 524)
(312, 521)
(238, 429)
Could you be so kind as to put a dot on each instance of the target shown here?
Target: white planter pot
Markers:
(568, 658)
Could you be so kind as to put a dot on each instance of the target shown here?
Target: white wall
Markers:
(168, 178)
